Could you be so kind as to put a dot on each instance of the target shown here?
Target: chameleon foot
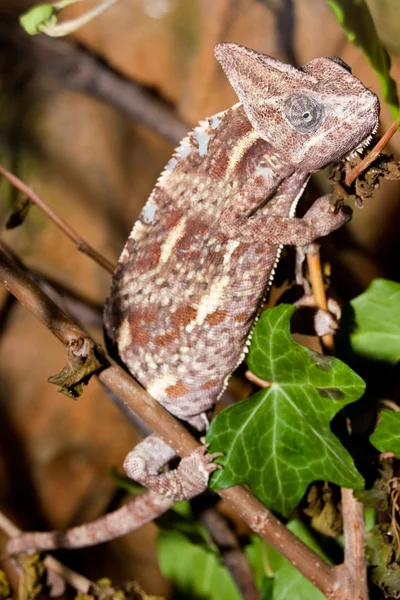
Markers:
(191, 477)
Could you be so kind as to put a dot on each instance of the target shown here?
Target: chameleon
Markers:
(193, 274)
(192, 277)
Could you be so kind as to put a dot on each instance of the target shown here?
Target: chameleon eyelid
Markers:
(304, 113)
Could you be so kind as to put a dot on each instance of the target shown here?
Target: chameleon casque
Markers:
(191, 279)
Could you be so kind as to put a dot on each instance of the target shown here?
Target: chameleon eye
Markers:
(304, 113)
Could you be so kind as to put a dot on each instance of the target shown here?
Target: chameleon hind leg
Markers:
(189, 479)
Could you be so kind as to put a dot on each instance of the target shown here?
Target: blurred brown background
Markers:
(96, 166)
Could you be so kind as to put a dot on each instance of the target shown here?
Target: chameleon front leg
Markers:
(189, 479)
(319, 220)
(325, 322)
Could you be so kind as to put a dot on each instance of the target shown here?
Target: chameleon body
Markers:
(192, 276)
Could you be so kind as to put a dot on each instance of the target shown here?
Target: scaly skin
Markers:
(192, 276)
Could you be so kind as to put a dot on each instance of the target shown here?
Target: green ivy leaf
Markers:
(275, 575)
(279, 440)
(376, 330)
(37, 17)
(195, 569)
(357, 23)
(181, 520)
(386, 437)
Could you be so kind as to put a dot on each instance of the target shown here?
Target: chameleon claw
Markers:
(207, 460)
(193, 472)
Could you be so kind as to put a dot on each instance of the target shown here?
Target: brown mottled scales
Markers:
(193, 273)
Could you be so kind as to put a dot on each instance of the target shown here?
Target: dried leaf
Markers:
(324, 513)
(104, 590)
(84, 359)
(32, 580)
(19, 213)
(385, 572)
(133, 591)
(366, 183)
(314, 502)
(5, 589)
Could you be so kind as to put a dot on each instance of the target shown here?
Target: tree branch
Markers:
(354, 542)
(258, 518)
(77, 68)
(86, 312)
(231, 552)
(317, 285)
(372, 155)
(80, 243)
(354, 569)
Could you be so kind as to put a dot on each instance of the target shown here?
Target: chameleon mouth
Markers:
(364, 144)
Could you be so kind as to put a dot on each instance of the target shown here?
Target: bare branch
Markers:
(232, 554)
(354, 542)
(77, 68)
(257, 380)
(354, 569)
(67, 27)
(317, 285)
(81, 245)
(258, 518)
(372, 155)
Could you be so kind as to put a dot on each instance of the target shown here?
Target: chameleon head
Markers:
(311, 116)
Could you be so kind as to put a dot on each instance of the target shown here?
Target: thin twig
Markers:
(67, 27)
(84, 311)
(79, 69)
(391, 405)
(8, 526)
(258, 518)
(232, 554)
(81, 244)
(317, 284)
(372, 155)
(355, 564)
(257, 380)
